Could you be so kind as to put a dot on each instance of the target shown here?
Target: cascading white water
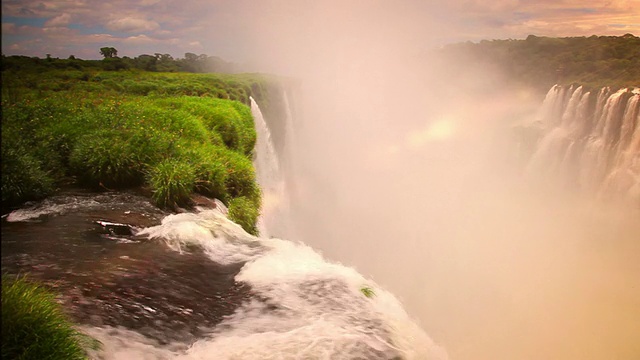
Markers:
(304, 307)
(590, 141)
(272, 221)
(289, 135)
(313, 308)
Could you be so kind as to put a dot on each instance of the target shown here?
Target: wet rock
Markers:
(116, 228)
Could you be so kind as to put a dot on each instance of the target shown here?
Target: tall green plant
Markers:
(172, 182)
(34, 326)
(244, 212)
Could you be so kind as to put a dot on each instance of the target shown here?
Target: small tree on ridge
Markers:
(108, 52)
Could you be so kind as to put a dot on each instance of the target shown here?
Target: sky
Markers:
(234, 29)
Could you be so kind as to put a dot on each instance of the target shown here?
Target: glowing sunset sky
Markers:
(230, 29)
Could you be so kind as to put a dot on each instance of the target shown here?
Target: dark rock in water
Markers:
(203, 201)
(116, 228)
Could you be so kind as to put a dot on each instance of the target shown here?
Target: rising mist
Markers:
(402, 167)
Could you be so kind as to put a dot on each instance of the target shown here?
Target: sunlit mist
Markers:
(405, 170)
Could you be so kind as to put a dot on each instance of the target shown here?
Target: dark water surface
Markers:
(105, 275)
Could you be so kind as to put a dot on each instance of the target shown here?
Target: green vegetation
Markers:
(171, 133)
(367, 291)
(34, 326)
(541, 62)
(157, 63)
(173, 181)
(244, 213)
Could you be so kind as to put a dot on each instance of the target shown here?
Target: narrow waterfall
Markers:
(289, 135)
(590, 141)
(272, 221)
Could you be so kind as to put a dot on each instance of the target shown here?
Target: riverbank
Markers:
(184, 134)
(83, 246)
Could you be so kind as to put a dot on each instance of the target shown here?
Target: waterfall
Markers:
(289, 135)
(305, 307)
(221, 293)
(273, 218)
(590, 141)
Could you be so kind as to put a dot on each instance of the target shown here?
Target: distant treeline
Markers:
(543, 61)
(156, 63)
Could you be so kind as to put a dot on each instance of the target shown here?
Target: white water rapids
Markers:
(305, 306)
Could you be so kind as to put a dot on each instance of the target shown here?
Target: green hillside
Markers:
(540, 62)
(169, 134)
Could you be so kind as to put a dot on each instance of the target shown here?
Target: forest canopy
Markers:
(540, 61)
(155, 63)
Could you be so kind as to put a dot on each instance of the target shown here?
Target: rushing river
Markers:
(194, 285)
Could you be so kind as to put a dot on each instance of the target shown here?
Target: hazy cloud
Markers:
(230, 29)
(129, 24)
(60, 20)
(8, 28)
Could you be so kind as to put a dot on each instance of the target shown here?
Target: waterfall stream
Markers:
(269, 177)
(151, 285)
(590, 141)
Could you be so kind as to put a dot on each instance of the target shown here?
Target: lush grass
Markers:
(172, 181)
(107, 158)
(239, 87)
(228, 121)
(244, 212)
(34, 327)
(95, 129)
(23, 176)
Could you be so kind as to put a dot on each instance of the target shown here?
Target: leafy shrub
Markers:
(244, 212)
(172, 182)
(34, 326)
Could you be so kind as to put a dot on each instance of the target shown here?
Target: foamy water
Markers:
(305, 306)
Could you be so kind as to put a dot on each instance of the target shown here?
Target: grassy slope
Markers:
(174, 133)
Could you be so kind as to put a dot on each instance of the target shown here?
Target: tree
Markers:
(146, 62)
(108, 52)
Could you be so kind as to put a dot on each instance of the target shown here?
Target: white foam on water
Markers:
(66, 203)
(122, 344)
(305, 306)
(52, 206)
(222, 240)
